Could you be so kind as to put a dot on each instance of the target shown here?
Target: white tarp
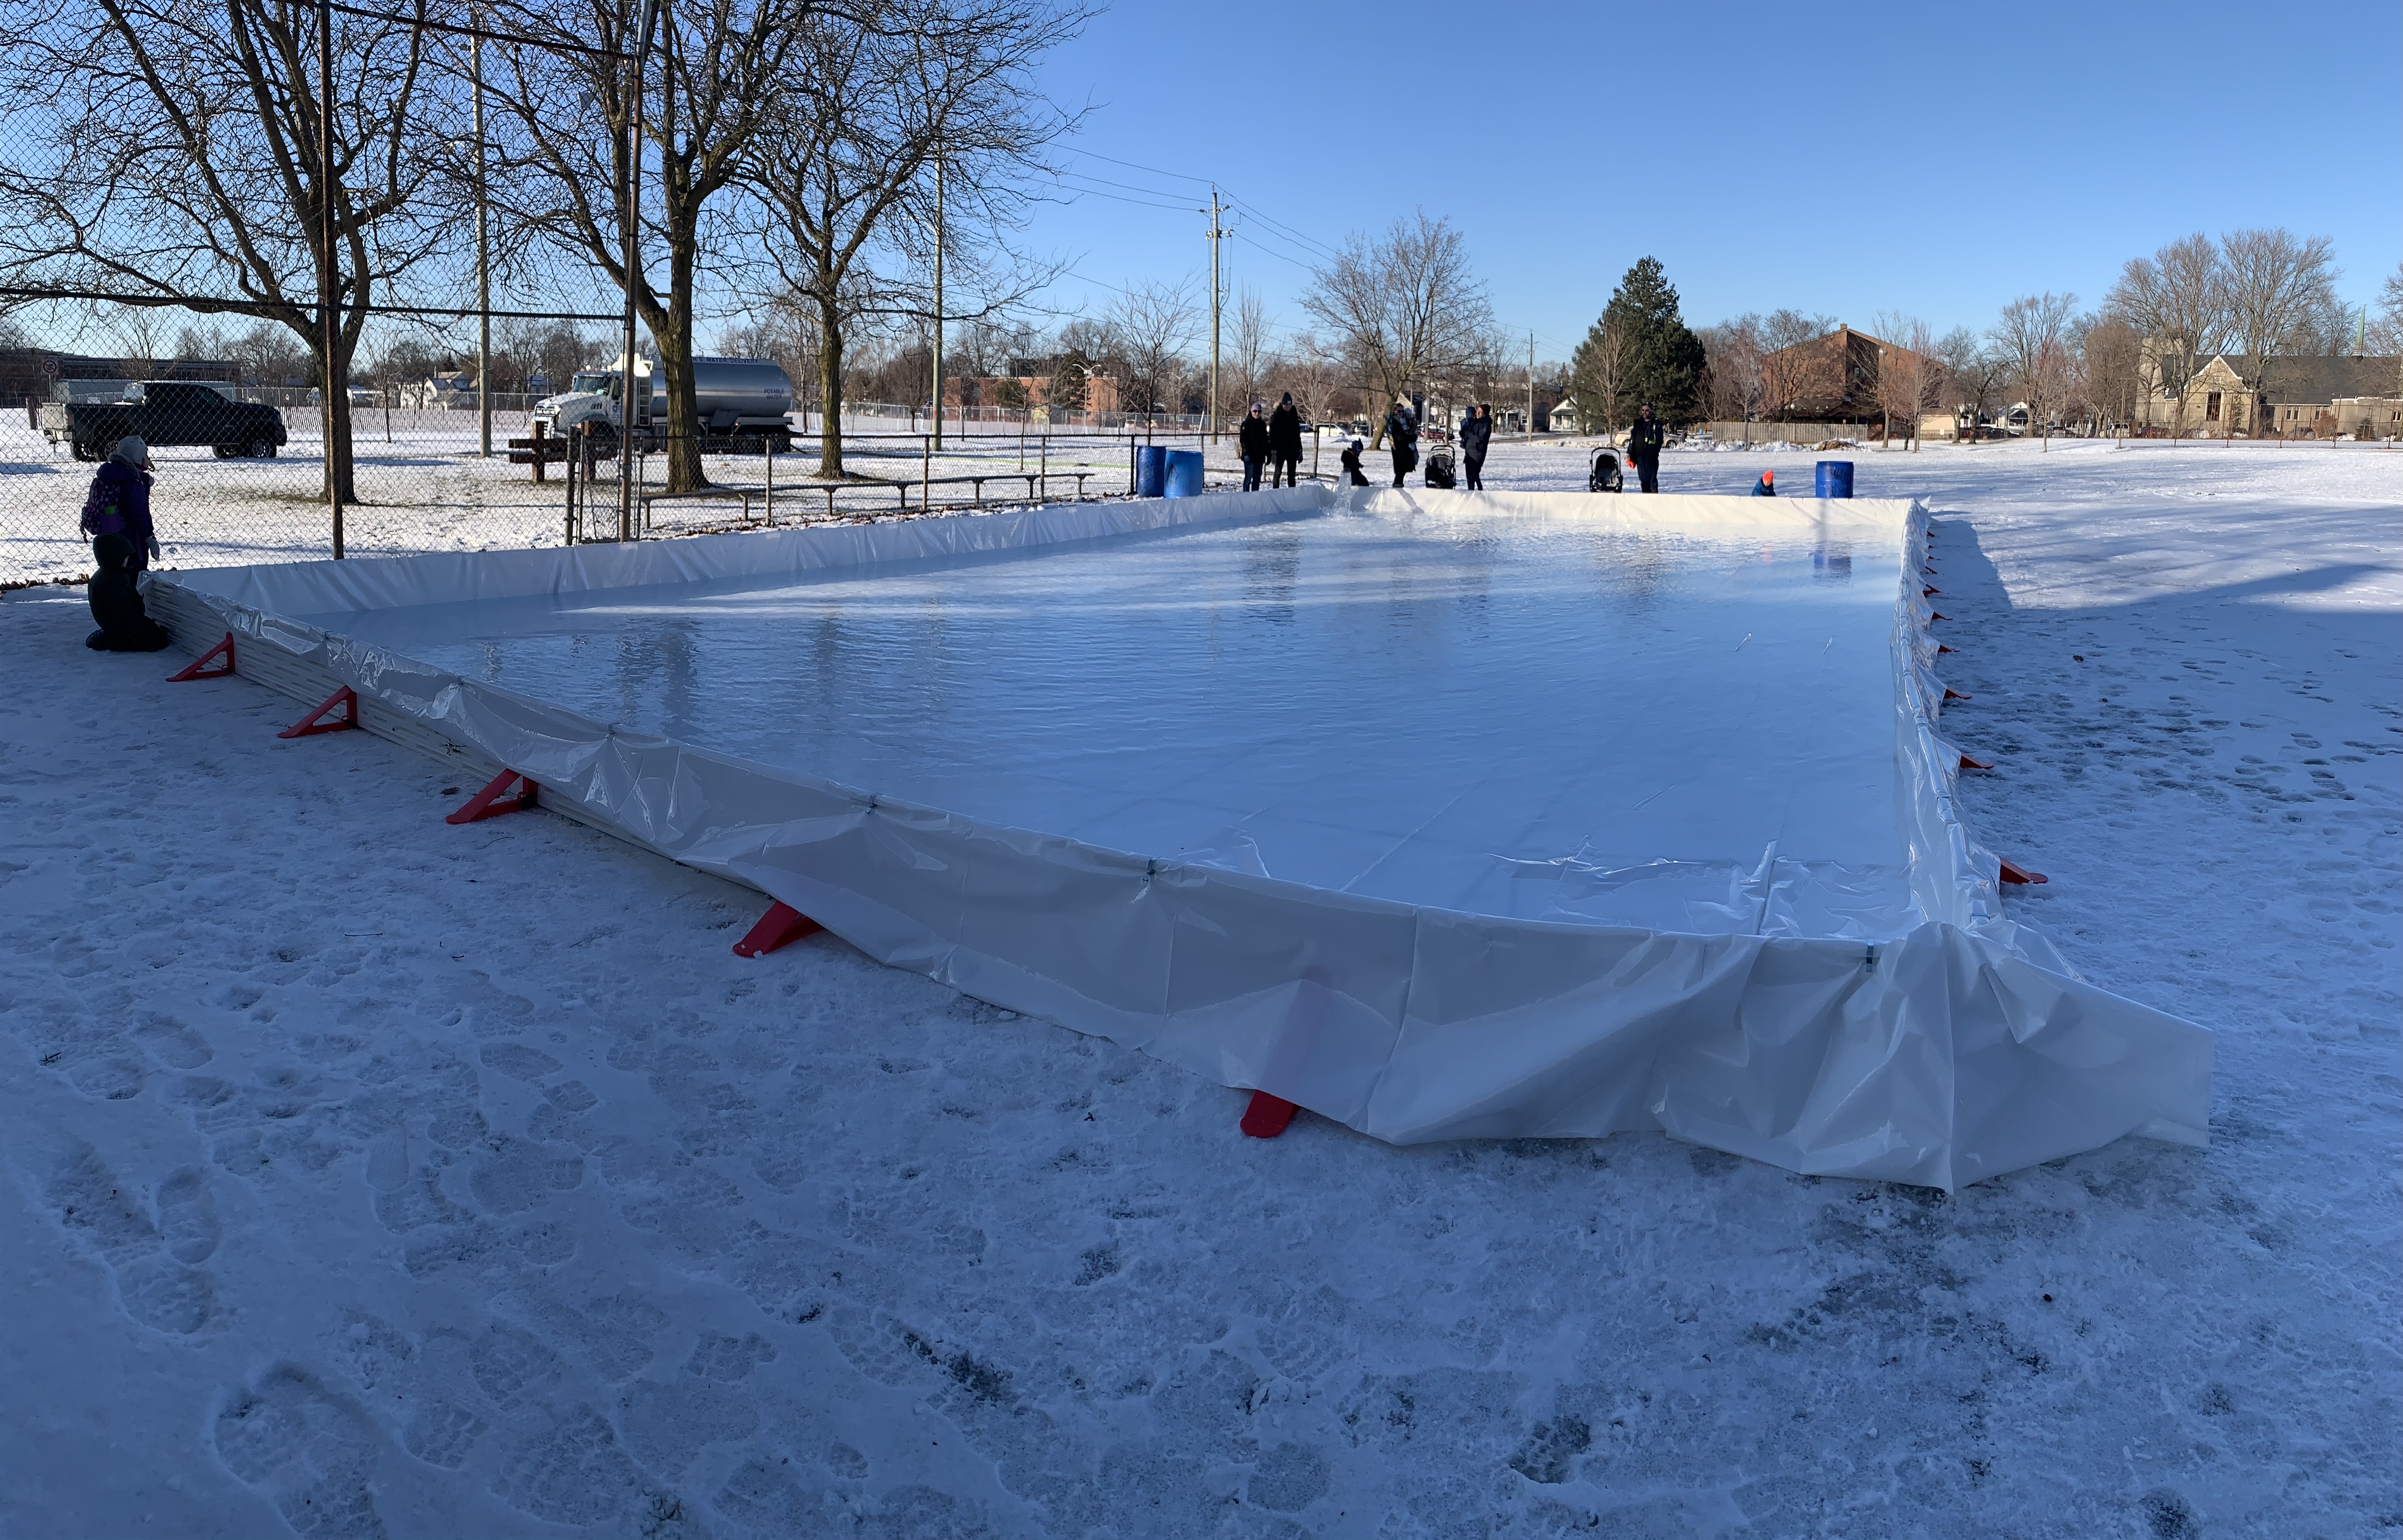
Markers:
(1843, 996)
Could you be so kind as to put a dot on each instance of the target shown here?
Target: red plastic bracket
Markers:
(2013, 873)
(1926, 592)
(1967, 763)
(781, 926)
(1933, 615)
(1951, 694)
(1267, 1116)
(490, 803)
(1941, 648)
(316, 721)
(199, 667)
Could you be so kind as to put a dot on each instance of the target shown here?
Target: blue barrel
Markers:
(1834, 478)
(1150, 470)
(1184, 474)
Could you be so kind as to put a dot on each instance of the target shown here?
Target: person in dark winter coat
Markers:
(1252, 440)
(1284, 443)
(116, 602)
(1645, 441)
(1475, 437)
(119, 500)
(1767, 485)
(1356, 476)
(1402, 437)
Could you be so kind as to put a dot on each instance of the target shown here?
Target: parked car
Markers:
(166, 412)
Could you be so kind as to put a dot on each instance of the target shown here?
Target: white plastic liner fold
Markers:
(1861, 1008)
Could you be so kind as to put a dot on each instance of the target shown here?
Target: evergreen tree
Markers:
(1662, 361)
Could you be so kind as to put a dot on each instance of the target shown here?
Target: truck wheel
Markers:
(262, 448)
(80, 450)
(225, 451)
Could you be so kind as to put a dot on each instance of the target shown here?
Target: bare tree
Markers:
(2177, 299)
(717, 67)
(2278, 288)
(841, 174)
(2033, 334)
(166, 153)
(2110, 366)
(1908, 378)
(2387, 332)
(1404, 308)
(1739, 371)
(1598, 376)
(1247, 350)
(1791, 373)
(1153, 326)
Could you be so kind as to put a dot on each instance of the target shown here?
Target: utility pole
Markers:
(483, 258)
(939, 300)
(1530, 424)
(1217, 235)
(334, 389)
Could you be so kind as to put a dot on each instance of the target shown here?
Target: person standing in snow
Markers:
(1284, 443)
(1646, 438)
(1475, 437)
(1402, 437)
(116, 600)
(119, 502)
(1251, 442)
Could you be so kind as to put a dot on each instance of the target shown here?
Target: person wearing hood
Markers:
(1251, 442)
(1355, 474)
(115, 599)
(119, 502)
(1284, 443)
(1402, 437)
(1646, 438)
(1476, 438)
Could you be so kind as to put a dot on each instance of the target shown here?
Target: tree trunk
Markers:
(829, 392)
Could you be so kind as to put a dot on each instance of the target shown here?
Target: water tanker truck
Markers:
(741, 405)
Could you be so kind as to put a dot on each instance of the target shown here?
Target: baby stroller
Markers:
(1601, 473)
(1440, 472)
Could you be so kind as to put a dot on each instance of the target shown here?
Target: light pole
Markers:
(1217, 235)
(483, 258)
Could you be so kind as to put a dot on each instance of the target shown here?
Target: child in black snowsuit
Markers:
(1357, 478)
(125, 626)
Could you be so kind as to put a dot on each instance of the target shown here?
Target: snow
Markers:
(339, 1198)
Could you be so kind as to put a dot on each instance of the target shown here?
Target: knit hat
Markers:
(130, 450)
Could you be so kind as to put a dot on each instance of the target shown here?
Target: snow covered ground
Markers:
(338, 1196)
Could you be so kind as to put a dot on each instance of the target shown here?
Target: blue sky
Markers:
(1979, 152)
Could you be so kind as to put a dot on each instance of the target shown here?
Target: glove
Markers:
(153, 543)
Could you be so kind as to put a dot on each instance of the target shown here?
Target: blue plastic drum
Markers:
(1184, 474)
(1834, 478)
(1150, 470)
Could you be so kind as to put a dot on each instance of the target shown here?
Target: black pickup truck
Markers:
(166, 411)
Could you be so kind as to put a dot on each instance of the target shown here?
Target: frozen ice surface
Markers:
(364, 1175)
(1395, 705)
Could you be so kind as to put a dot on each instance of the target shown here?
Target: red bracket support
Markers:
(1933, 615)
(490, 803)
(781, 926)
(1926, 592)
(1951, 694)
(1941, 648)
(321, 720)
(1267, 1116)
(1969, 763)
(2014, 873)
(199, 667)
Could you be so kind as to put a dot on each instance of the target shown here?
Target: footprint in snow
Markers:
(307, 1448)
(155, 1263)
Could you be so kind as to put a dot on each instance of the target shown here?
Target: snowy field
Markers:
(422, 487)
(342, 1198)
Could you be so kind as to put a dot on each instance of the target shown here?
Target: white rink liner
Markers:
(1842, 997)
